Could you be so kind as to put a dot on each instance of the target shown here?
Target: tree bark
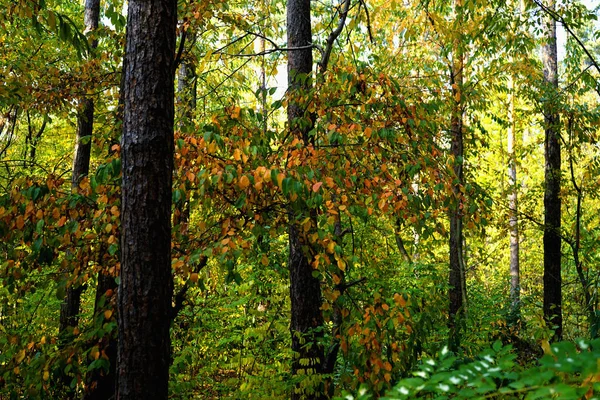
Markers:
(305, 291)
(457, 281)
(552, 201)
(100, 384)
(513, 219)
(146, 288)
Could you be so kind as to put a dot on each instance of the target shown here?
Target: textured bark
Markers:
(305, 291)
(513, 219)
(146, 288)
(69, 309)
(457, 282)
(552, 201)
(100, 384)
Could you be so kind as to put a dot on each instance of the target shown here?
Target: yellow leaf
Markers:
(264, 260)
(108, 228)
(108, 314)
(20, 356)
(341, 264)
(331, 247)
(546, 347)
(46, 375)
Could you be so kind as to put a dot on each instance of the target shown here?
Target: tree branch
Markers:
(325, 55)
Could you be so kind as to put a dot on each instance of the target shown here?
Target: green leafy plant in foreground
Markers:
(567, 371)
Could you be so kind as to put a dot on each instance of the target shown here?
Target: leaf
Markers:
(20, 222)
(280, 177)
(317, 186)
(244, 182)
(20, 356)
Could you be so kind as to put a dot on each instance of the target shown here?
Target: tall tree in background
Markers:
(146, 289)
(70, 307)
(552, 202)
(457, 280)
(81, 166)
(513, 216)
(305, 291)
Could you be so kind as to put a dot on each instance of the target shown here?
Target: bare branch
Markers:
(333, 36)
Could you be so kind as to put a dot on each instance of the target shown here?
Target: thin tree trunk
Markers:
(552, 201)
(583, 275)
(71, 305)
(146, 289)
(457, 280)
(101, 384)
(305, 291)
(513, 219)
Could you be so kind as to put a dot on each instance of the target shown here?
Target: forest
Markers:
(296, 199)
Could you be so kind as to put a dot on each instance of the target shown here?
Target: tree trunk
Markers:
(457, 281)
(71, 305)
(186, 90)
(305, 291)
(146, 288)
(513, 219)
(100, 384)
(552, 201)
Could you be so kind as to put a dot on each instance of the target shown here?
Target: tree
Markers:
(81, 167)
(305, 292)
(552, 201)
(146, 287)
(457, 280)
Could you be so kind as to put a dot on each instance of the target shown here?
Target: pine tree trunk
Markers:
(552, 201)
(146, 288)
(305, 291)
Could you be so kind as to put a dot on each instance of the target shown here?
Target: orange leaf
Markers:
(280, 177)
(20, 222)
(108, 314)
(244, 182)
(317, 186)
(237, 155)
(368, 132)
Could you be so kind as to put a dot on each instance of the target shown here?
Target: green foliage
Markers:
(569, 371)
